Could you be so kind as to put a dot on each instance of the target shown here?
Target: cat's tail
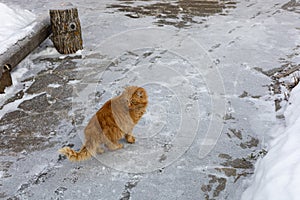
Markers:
(72, 155)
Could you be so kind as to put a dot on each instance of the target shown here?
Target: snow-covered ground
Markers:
(277, 175)
(16, 23)
(211, 102)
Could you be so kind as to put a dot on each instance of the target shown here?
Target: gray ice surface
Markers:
(210, 103)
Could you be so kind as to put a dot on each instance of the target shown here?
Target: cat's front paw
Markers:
(130, 139)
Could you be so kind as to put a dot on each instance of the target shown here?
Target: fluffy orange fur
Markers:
(113, 121)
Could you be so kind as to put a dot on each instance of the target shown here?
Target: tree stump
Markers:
(66, 30)
(5, 78)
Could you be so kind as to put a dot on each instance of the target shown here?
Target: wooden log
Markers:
(17, 52)
(66, 30)
(5, 79)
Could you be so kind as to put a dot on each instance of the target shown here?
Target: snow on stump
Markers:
(66, 30)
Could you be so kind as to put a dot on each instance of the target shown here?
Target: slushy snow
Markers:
(277, 175)
(15, 24)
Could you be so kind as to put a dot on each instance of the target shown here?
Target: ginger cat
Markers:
(113, 121)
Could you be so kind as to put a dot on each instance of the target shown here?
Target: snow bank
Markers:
(277, 175)
(15, 24)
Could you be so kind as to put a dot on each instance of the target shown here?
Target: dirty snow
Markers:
(277, 175)
(16, 23)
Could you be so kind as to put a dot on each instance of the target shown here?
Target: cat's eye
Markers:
(140, 94)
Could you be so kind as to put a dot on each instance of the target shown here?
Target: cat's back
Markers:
(105, 116)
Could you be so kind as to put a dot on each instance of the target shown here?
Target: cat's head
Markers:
(137, 96)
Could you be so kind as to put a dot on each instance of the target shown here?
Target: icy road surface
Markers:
(207, 67)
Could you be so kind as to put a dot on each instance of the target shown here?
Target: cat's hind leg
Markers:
(100, 150)
(114, 145)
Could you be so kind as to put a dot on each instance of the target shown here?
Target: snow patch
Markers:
(15, 24)
(46, 53)
(53, 85)
(74, 82)
(14, 105)
(2, 174)
(277, 175)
